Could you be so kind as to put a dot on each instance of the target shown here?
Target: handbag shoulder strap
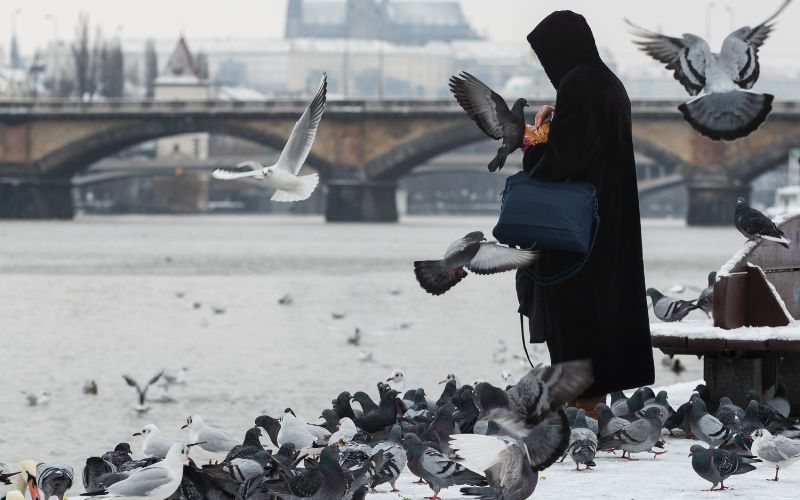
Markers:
(572, 271)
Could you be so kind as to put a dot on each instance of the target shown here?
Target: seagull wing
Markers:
(141, 482)
(740, 50)
(155, 378)
(493, 258)
(483, 105)
(227, 174)
(133, 383)
(296, 151)
(687, 56)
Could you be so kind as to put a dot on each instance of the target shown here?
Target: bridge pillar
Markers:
(711, 205)
(361, 201)
(37, 199)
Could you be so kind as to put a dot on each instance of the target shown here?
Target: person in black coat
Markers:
(601, 312)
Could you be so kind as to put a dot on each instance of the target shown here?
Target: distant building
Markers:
(404, 22)
(181, 81)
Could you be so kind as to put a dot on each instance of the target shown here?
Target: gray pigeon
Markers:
(638, 436)
(474, 253)
(623, 406)
(670, 309)
(779, 402)
(591, 423)
(439, 471)
(706, 300)
(728, 413)
(715, 466)
(490, 111)
(706, 427)
(503, 460)
(662, 404)
(395, 459)
(724, 108)
(754, 225)
(608, 424)
(583, 442)
(54, 480)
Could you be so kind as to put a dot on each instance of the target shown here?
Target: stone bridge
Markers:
(361, 150)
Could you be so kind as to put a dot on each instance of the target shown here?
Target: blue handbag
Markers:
(549, 216)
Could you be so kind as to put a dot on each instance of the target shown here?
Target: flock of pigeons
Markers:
(492, 440)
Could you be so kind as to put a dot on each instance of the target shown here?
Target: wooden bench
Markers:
(754, 339)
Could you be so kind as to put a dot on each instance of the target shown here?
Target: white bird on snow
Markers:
(344, 432)
(282, 176)
(303, 435)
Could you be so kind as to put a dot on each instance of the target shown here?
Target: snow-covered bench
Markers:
(754, 338)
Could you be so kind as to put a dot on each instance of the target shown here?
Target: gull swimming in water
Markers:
(282, 176)
(36, 398)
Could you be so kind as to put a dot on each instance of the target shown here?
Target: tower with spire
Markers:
(180, 80)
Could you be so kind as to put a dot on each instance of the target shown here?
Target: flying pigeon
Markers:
(474, 253)
(706, 300)
(779, 451)
(142, 391)
(755, 225)
(715, 466)
(669, 308)
(490, 111)
(282, 176)
(724, 107)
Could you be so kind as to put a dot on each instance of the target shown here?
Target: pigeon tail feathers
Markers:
(499, 160)
(435, 277)
(782, 241)
(727, 115)
(304, 186)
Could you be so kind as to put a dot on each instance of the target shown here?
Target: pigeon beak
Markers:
(136, 434)
(184, 426)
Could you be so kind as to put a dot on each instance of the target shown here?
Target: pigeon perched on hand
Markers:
(490, 111)
(282, 176)
(474, 253)
(670, 309)
(715, 466)
(725, 109)
(755, 225)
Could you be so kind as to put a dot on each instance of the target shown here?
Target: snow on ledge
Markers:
(705, 329)
(736, 258)
(775, 294)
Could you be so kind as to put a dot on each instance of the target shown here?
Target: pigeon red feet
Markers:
(420, 481)
(657, 453)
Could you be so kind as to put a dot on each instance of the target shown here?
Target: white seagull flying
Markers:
(282, 176)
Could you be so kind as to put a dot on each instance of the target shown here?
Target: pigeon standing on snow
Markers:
(54, 480)
(282, 176)
(715, 466)
(706, 427)
(725, 109)
(474, 253)
(779, 402)
(583, 442)
(638, 436)
(669, 308)
(439, 471)
(490, 111)
(779, 451)
(754, 225)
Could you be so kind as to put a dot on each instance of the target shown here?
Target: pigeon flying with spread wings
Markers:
(724, 107)
(282, 176)
(755, 225)
(474, 253)
(490, 111)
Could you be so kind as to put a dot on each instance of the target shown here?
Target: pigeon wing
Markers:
(740, 50)
(296, 151)
(687, 56)
(753, 222)
(483, 105)
(548, 441)
(493, 258)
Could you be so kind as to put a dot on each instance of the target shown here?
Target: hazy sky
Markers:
(502, 20)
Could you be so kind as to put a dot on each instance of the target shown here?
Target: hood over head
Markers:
(562, 41)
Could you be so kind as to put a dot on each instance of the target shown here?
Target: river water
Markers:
(98, 297)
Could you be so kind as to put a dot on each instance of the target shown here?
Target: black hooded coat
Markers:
(600, 313)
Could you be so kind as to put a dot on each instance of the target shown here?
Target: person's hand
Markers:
(545, 114)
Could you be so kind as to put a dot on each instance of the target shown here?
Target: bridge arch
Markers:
(762, 160)
(75, 156)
